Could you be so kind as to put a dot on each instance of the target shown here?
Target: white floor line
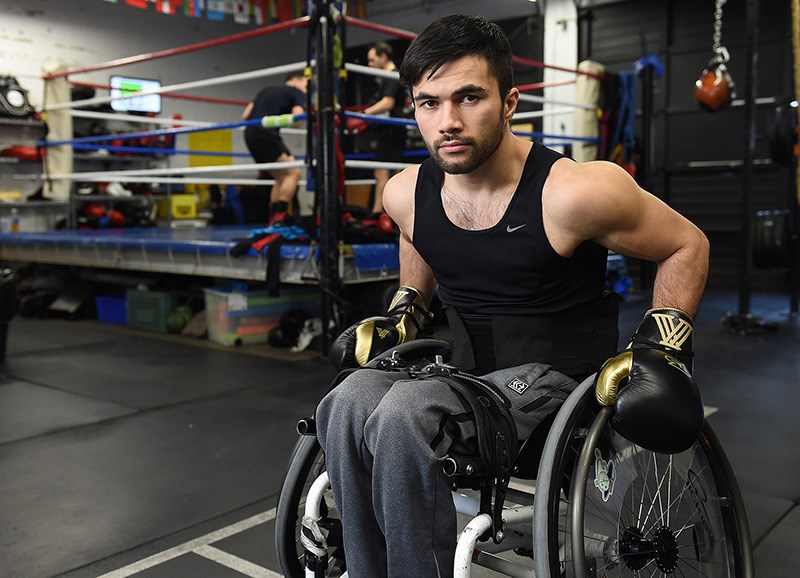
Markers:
(191, 545)
(235, 563)
(709, 409)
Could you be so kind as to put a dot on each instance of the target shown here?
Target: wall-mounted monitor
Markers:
(122, 85)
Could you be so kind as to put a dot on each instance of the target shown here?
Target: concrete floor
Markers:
(125, 453)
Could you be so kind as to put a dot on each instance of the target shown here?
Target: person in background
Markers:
(265, 144)
(389, 100)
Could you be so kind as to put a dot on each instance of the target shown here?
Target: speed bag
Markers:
(14, 99)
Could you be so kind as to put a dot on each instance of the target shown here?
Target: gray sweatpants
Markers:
(385, 438)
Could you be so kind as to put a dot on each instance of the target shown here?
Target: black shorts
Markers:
(390, 143)
(265, 146)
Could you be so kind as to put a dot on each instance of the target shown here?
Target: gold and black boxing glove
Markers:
(657, 403)
(370, 337)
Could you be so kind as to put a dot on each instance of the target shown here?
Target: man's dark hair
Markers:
(382, 48)
(453, 37)
(293, 75)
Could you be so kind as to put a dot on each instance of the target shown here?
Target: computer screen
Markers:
(122, 85)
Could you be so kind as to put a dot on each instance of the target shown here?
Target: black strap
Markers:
(490, 471)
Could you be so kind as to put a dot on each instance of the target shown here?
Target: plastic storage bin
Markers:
(111, 309)
(148, 310)
(244, 318)
(183, 206)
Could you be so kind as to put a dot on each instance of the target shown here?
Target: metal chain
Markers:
(721, 53)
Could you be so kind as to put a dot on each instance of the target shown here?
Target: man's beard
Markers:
(480, 151)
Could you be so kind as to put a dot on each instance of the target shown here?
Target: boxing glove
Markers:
(657, 403)
(356, 125)
(370, 337)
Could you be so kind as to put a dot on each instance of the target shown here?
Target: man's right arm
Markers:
(247, 110)
(398, 201)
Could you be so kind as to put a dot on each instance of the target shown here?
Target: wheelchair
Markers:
(597, 505)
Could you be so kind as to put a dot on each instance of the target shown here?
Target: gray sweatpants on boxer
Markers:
(385, 438)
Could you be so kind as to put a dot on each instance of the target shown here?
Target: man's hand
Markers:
(658, 404)
(370, 337)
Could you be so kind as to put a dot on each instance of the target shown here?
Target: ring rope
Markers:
(189, 180)
(410, 36)
(214, 169)
(158, 151)
(273, 121)
(543, 100)
(240, 76)
(218, 169)
(139, 119)
(183, 49)
(211, 99)
(591, 139)
(541, 113)
(523, 97)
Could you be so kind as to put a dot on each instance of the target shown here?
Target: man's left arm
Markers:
(650, 383)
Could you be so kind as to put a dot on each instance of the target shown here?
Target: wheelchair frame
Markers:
(704, 517)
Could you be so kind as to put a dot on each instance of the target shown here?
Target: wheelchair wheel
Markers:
(634, 510)
(305, 465)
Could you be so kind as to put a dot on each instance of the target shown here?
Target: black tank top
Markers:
(509, 297)
(511, 268)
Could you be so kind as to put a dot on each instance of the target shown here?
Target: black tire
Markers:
(702, 531)
(305, 465)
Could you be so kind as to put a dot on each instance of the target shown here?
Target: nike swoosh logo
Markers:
(510, 229)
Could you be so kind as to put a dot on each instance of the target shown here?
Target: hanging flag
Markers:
(137, 3)
(284, 10)
(215, 9)
(199, 7)
(297, 10)
(362, 9)
(164, 6)
(241, 11)
(177, 6)
(260, 10)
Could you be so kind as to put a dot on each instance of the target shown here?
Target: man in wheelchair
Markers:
(514, 238)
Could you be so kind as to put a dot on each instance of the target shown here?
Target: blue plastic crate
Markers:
(111, 310)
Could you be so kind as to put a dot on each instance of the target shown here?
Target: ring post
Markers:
(326, 171)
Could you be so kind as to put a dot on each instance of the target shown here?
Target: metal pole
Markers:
(645, 174)
(751, 45)
(326, 171)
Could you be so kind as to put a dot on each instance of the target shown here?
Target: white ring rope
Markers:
(360, 68)
(218, 169)
(541, 113)
(262, 73)
(361, 164)
(189, 180)
(543, 100)
(139, 119)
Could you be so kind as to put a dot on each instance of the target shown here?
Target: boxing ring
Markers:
(206, 250)
(203, 252)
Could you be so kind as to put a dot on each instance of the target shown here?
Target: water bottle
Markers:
(14, 220)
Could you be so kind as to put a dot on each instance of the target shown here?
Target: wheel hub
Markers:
(666, 550)
(636, 551)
